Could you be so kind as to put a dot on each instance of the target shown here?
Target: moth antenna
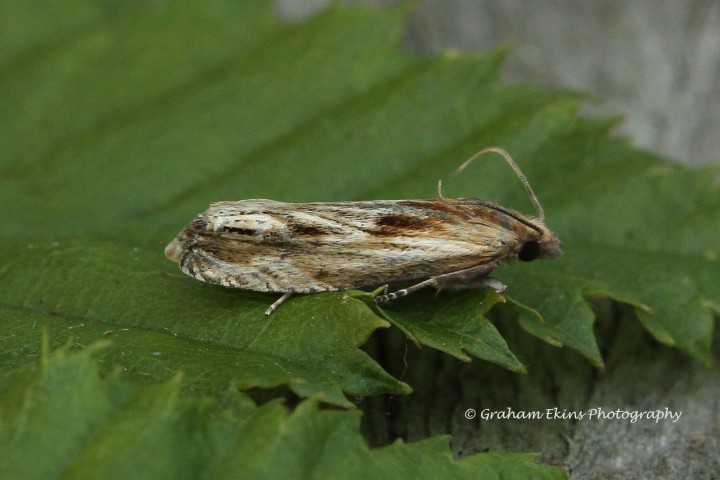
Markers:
(513, 165)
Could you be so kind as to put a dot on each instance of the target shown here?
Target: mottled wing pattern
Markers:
(271, 246)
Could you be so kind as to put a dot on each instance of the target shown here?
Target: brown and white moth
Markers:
(288, 248)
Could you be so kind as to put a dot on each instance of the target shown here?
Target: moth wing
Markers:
(278, 247)
(255, 221)
(250, 244)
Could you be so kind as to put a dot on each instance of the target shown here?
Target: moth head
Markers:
(543, 243)
(539, 241)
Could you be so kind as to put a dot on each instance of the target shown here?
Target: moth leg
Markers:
(487, 283)
(406, 291)
(277, 303)
(475, 275)
(468, 275)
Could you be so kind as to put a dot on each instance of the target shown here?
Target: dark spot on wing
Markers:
(306, 230)
(248, 232)
(401, 221)
(402, 224)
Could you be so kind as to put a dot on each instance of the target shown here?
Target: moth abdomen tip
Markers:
(173, 251)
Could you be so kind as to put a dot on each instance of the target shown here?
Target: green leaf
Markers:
(103, 428)
(643, 237)
(153, 319)
(122, 122)
(454, 324)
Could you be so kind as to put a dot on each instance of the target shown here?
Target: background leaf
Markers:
(156, 331)
(112, 430)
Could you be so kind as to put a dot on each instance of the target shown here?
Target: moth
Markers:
(294, 248)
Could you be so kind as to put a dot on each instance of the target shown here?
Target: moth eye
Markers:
(529, 251)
